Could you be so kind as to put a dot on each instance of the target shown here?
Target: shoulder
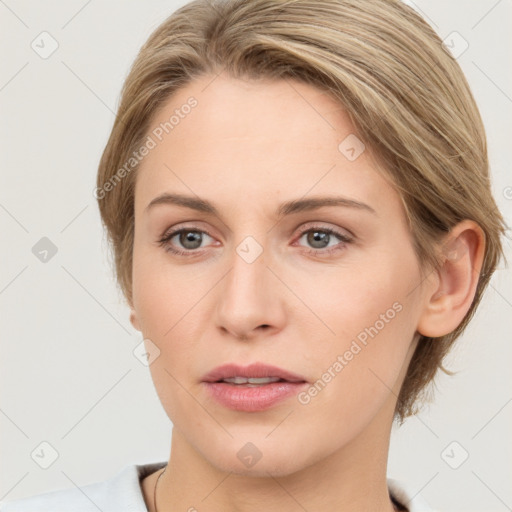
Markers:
(121, 493)
(407, 497)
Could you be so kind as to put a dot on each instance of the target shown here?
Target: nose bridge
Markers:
(247, 281)
(247, 298)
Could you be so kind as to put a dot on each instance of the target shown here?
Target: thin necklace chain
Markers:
(156, 484)
(160, 476)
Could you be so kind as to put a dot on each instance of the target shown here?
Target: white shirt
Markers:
(123, 493)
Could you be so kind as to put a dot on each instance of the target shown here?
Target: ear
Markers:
(133, 318)
(454, 283)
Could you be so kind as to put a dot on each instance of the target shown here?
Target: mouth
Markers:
(255, 374)
(251, 382)
(252, 388)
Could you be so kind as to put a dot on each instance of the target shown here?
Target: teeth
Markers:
(263, 380)
(236, 380)
(251, 380)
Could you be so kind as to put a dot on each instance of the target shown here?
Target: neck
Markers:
(350, 479)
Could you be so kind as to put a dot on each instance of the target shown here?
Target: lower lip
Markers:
(254, 399)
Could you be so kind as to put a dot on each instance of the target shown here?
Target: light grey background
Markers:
(68, 373)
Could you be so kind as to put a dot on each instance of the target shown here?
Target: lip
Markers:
(253, 370)
(240, 397)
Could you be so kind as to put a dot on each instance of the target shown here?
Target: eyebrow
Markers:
(287, 208)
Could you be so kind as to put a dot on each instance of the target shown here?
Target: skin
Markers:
(247, 147)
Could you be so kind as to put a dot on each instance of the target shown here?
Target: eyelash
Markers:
(167, 237)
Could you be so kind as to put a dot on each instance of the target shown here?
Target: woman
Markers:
(298, 202)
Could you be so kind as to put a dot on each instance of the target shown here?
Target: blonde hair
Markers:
(406, 96)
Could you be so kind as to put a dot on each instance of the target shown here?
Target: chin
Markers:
(260, 457)
(275, 465)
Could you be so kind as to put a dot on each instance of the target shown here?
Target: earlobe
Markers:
(133, 319)
(462, 255)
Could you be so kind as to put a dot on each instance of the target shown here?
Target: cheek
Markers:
(357, 299)
(358, 374)
(166, 294)
(372, 316)
(168, 301)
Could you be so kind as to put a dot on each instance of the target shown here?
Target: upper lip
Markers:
(257, 370)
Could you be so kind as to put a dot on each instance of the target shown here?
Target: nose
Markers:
(250, 300)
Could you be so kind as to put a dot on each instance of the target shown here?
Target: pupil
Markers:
(190, 239)
(318, 239)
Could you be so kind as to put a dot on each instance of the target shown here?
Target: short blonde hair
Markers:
(405, 94)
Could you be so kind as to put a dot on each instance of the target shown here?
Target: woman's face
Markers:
(268, 271)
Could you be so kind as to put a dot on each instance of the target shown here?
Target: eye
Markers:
(322, 240)
(188, 238)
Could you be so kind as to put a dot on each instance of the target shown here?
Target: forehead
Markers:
(259, 135)
(278, 110)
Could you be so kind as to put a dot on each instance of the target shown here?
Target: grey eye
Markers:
(190, 239)
(318, 239)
